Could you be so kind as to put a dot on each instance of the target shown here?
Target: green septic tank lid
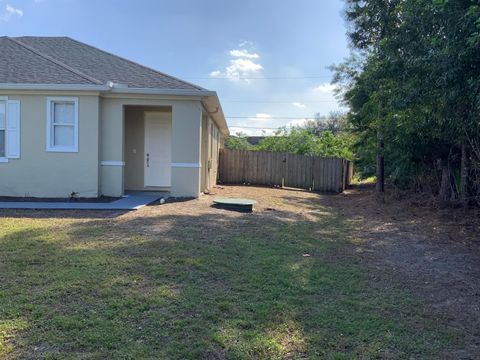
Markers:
(234, 201)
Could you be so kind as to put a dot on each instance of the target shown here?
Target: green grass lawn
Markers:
(200, 287)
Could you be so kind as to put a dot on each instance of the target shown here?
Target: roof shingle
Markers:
(61, 60)
(18, 65)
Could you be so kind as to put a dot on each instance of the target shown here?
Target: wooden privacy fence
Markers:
(283, 169)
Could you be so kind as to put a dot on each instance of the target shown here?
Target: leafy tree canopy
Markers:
(414, 72)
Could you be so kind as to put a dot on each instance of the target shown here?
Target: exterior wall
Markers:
(205, 138)
(98, 167)
(111, 148)
(212, 141)
(39, 173)
(186, 149)
(186, 137)
(215, 144)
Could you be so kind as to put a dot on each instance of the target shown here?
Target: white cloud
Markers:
(243, 64)
(10, 12)
(261, 116)
(242, 68)
(237, 130)
(14, 11)
(238, 68)
(297, 122)
(243, 54)
(246, 43)
(216, 73)
(257, 125)
(251, 132)
(283, 113)
(299, 105)
(325, 88)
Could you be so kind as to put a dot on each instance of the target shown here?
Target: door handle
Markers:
(148, 160)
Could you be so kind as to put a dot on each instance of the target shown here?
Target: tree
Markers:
(335, 122)
(301, 141)
(373, 22)
(238, 142)
(412, 86)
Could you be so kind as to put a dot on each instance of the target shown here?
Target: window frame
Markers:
(51, 147)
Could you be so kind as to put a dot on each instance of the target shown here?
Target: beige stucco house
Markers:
(74, 118)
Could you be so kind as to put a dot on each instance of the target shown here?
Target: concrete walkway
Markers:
(132, 201)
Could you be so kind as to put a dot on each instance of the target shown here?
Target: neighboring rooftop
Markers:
(61, 60)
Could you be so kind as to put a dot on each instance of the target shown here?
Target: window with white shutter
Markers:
(62, 124)
(13, 129)
(9, 130)
(3, 128)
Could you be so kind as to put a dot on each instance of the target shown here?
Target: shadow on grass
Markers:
(208, 286)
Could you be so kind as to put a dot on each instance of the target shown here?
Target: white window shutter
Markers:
(13, 129)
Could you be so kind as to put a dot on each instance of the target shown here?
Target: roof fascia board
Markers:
(171, 98)
(107, 89)
(217, 114)
(59, 87)
(152, 91)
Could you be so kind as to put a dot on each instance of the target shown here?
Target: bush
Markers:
(302, 142)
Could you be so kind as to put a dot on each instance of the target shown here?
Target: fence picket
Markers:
(269, 168)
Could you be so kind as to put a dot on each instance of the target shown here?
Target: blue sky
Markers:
(233, 47)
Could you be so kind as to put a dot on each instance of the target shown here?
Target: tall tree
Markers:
(412, 85)
(372, 25)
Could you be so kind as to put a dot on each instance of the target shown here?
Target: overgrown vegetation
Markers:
(324, 137)
(238, 142)
(413, 85)
(303, 142)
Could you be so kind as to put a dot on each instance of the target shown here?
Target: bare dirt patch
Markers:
(433, 252)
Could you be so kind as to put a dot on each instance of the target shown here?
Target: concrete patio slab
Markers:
(132, 201)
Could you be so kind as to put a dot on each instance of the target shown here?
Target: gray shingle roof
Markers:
(19, 65)
(61, 60)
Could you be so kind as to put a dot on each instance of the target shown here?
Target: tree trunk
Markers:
(464, 176)
(445, 182)
(380, 185)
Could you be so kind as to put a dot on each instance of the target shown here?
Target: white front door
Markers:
(158, 149)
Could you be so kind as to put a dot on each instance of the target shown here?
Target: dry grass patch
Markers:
(187, 281)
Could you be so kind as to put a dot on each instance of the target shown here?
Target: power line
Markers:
(271, 118)
(279, 101)
(254, 127)
(259, 77)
